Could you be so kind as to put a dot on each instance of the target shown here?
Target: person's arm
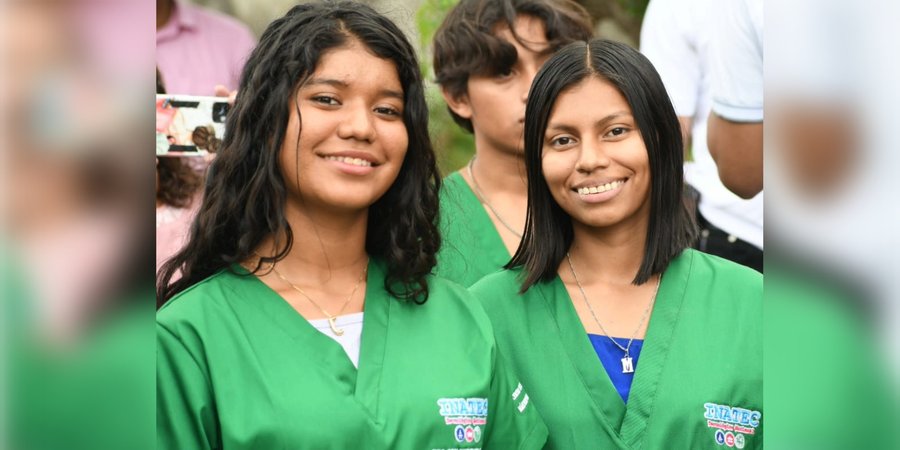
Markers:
(737, 149)
(735, 126)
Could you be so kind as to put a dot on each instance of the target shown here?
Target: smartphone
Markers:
(188, 125)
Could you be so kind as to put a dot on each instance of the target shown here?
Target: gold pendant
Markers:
(334, 329)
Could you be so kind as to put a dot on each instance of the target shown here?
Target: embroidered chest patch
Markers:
(467, 415)
(732, 425)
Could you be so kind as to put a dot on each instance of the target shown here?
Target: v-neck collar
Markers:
(626, 424)
(364, 381)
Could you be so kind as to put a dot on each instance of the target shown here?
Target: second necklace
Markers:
(484, 200)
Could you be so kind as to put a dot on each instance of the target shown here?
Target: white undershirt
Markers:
(352, 325)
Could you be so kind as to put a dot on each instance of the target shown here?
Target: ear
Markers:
(459, 105)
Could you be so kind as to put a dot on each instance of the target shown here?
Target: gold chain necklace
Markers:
(331, 319)
(484, 200)
(627, 363)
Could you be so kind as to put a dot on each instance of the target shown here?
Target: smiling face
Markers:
(352, 141)
(594, 158)
(496, 104)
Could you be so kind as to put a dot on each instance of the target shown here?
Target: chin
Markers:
(353, 205)
(341, 204)
(603, 220)
(596, 223)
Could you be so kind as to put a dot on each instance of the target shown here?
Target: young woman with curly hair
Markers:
(306, 315)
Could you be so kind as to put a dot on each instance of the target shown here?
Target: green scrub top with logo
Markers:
(471, 246)
(238, 368)
(697, 383)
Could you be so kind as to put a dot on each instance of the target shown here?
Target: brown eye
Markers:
(326, 100)
(505, 73)
(562, 141)
(387, 111)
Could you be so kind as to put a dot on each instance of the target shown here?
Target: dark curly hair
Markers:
(245, 193)
(548, 228)
(177, 182)
(465, 44)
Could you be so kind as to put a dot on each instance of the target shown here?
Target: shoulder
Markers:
(449, 311)
(454, 190)
(199, 302)
(446, 288)
(717, 278)
(734, 273)
(451, 182)
(497, 284)
(445, 295)
(499, 294)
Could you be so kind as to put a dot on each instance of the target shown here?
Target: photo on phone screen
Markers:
(189, 125)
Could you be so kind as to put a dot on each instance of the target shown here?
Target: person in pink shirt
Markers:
(198, 52)
(197, 49)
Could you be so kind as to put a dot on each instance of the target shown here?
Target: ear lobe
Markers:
(459, 105)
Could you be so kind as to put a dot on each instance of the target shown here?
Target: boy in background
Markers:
(486, 54)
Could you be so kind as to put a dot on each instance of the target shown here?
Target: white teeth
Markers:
(599, 188)
(351, 161)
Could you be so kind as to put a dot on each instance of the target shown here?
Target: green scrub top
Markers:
(471, 247)
(239, 368)
(697, 384)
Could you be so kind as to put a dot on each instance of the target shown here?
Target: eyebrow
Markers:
(570, 129)
(340, 84)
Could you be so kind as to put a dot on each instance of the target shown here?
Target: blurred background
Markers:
(614, 19)
(76, 246)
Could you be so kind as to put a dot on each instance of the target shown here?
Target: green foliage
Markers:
(430, 16)
(635, 8)
(453, 145)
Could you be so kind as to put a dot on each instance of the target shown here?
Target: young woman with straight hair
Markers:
(624, 335)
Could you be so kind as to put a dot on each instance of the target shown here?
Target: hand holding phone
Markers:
(189, 125)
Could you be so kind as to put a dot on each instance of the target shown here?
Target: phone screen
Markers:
(189, 125)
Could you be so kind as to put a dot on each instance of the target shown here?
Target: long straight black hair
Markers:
(245, 194)
(548, 228)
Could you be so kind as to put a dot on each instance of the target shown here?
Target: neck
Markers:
(613, 255)
(499, 181)
(164, 10)
(500, 173)
(324, 244)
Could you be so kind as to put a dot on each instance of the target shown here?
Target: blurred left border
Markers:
(76, 247)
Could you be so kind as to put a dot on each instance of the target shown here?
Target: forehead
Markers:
(354, 63)
(588, 99)
(530, 30)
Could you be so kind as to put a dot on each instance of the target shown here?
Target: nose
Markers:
(357, 123)
(592, 157)
(526, 82)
